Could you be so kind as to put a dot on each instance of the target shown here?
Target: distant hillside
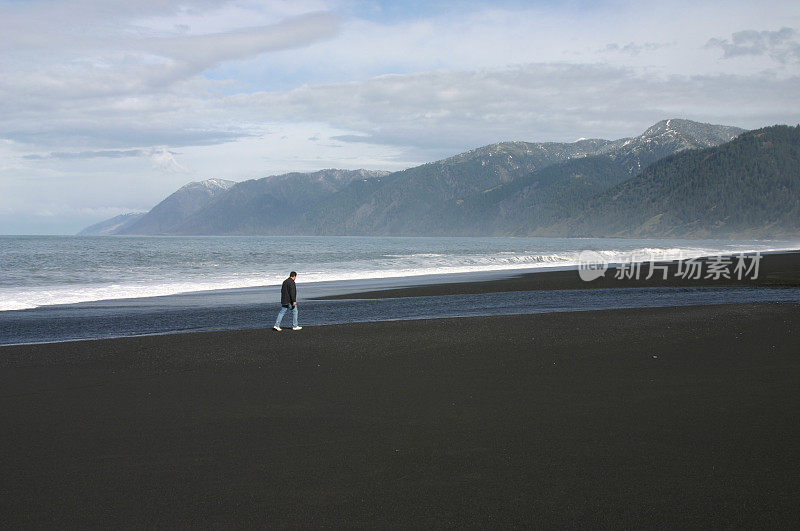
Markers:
(506, 188)
(271, 205)
(749, 187)
(111, 226)
(678, 179)
(172, 211)
(414, 201)
(665, 138)
(542, 198)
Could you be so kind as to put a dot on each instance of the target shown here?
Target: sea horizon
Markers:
(49, 270)
(57, 289)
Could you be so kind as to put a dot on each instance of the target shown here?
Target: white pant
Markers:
(283, 312)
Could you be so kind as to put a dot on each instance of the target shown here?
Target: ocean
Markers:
(40, 271)
(56, 288)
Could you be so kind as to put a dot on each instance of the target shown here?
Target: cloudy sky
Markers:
(108, 106)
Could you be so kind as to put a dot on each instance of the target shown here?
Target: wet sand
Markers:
(774, 269)
(628, 418)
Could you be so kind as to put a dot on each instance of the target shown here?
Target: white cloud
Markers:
(782, 45)
(165, 161)
(99, 96)
(458, 109)
(136, 66)
(633, 48)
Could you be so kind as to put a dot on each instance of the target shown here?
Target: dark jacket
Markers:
(288, 292)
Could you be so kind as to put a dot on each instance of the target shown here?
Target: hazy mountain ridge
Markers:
(665, 138)
(172, 211)
(518, 188)
(492, 189)
(747, 187)
(270, 205)
(419, 200)
(111, 226)
(542, 198)
(560, 190)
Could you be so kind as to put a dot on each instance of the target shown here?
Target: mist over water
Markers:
(49, 270)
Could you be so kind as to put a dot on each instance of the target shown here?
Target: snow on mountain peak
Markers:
(209, 185)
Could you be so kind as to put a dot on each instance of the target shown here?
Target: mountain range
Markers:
(112, 226)
(678, 178)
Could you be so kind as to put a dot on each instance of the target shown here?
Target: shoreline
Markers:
(420, 319)
(346, 288)
(615, 418)
(777, 268)
(537, 292)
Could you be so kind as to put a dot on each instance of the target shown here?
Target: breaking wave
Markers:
(47, 271)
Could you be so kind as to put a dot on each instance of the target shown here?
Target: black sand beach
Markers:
(431, 296)
(774, 269)
(660, 417)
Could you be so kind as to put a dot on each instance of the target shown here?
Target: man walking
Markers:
(288, 300)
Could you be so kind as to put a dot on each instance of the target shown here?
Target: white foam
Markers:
(405, 265)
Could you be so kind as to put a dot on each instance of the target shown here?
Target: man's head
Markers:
(293, 274)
